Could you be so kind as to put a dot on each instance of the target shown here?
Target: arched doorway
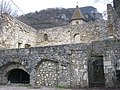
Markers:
(96, 72)
(18, 76)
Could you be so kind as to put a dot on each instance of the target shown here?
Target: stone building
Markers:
(82, 54)
(79, 31)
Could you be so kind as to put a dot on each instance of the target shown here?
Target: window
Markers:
(27, 46)
(45, 37)
(77, 38)
(19, 45)
(77, 22)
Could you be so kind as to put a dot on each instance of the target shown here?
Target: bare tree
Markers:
(5, 7)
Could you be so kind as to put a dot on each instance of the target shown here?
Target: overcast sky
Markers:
(36, 5)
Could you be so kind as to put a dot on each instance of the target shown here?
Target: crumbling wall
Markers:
(87, 32)
(113, 22)
(16, 34)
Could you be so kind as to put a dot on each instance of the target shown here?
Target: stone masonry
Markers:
(15, 34)
(87, 33)
(82, 54)
(49, 66)
(63, 66)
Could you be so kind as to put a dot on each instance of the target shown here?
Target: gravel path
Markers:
(46, 88)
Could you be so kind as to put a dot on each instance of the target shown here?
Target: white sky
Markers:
(36, 5)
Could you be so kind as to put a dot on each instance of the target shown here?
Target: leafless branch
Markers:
(5, 7)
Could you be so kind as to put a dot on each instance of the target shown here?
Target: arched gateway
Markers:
(14, 73)
(18, 76)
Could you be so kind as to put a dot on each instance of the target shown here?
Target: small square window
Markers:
(27, 45)
(45, 37)
(19, 45)
(77, 22)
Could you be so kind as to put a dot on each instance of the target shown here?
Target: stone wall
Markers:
(110, 51)
(47, 73)
(74, 22)
(15, 34)
(56, 36)
(84, 33)
(113, 22)
(62, 66)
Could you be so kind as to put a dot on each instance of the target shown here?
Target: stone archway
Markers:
(18, 76)
(11, 73)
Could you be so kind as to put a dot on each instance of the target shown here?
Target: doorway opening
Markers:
(96, 72)
(118, 77)
(18, 76)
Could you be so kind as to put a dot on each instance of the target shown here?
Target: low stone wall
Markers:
(62, 66)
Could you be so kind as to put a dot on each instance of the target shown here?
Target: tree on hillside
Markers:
(5, 7)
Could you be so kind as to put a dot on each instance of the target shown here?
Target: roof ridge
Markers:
(77, 15)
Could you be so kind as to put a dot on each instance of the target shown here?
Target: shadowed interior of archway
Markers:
(18, 76)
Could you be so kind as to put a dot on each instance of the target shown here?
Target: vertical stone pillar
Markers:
(32, 76)
(109, 69)
(79, 70)
(110, 20)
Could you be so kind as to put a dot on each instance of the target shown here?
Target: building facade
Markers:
(82, 54)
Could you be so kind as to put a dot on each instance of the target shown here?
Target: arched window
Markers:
(45, 37)
(77, 38)
(77, 22)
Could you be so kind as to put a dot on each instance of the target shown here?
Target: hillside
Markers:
(53, 17)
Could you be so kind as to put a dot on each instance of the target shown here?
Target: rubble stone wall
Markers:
(15, 34)
(87, 32)
(63, 65)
